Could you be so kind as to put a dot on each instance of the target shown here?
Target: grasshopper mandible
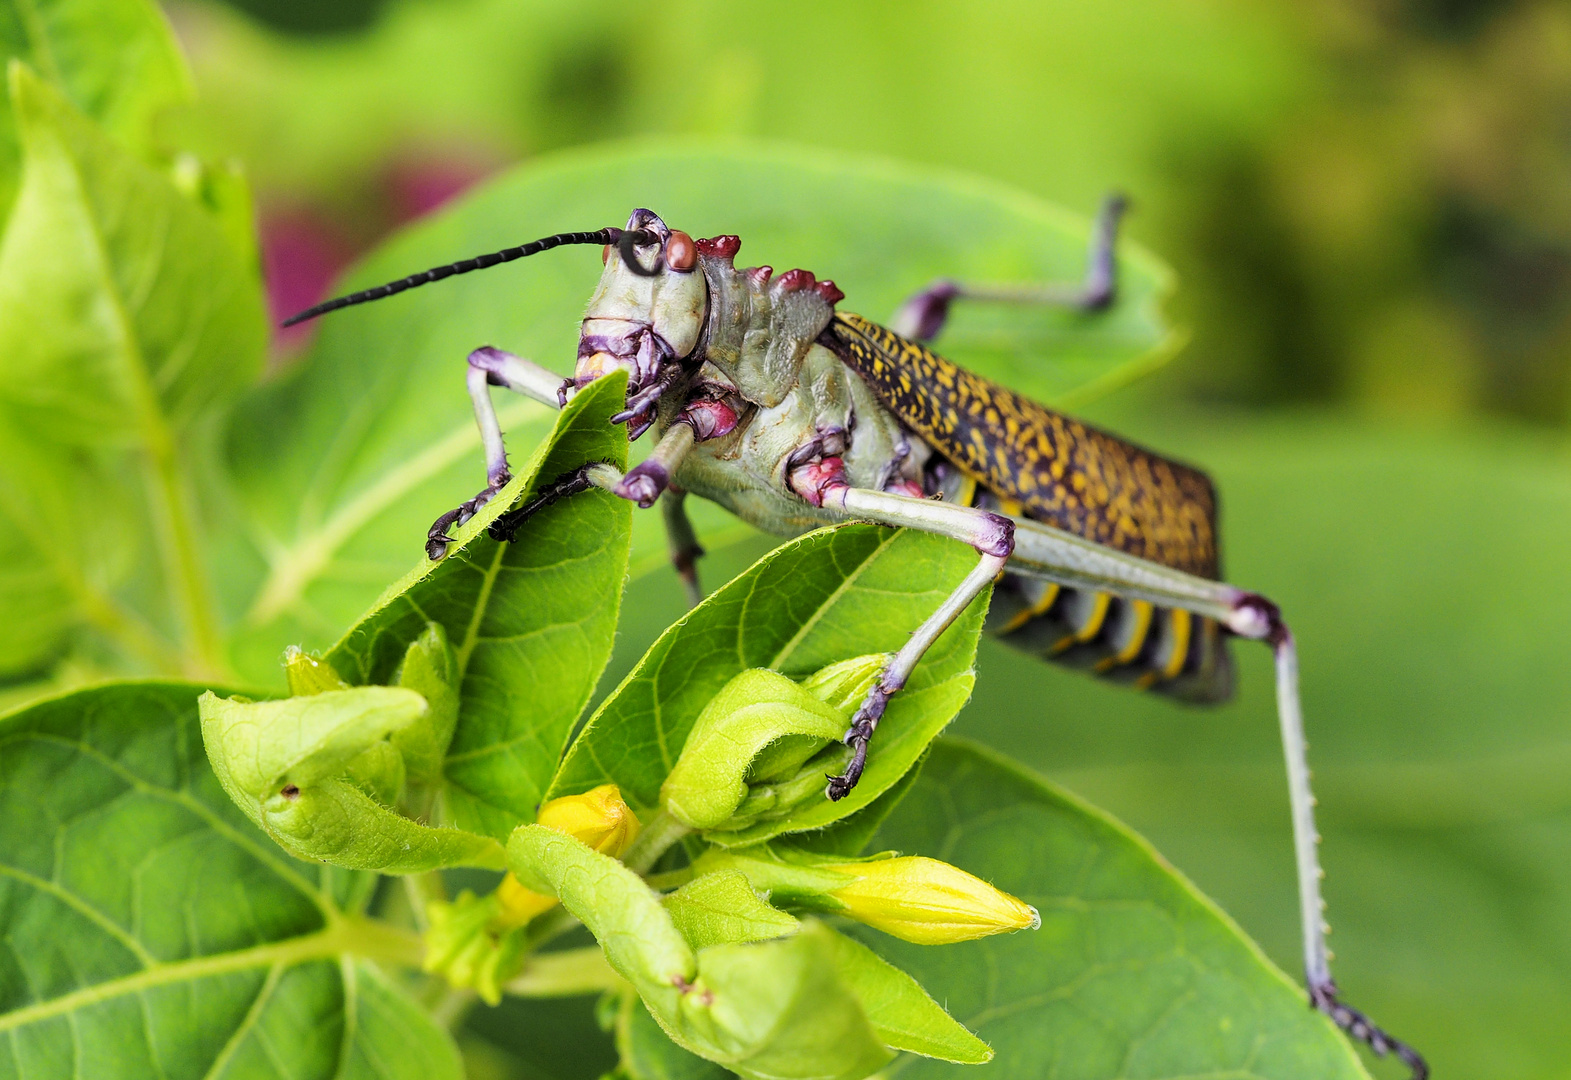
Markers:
(792, 415)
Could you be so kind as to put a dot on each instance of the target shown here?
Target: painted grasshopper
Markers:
(767, 400)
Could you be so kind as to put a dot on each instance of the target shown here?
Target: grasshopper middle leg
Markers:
(992, 535)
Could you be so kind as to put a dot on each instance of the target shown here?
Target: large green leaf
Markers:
(531, 621)
(1424, 575)
(126, 319)
(1133, 973)
(151, 930)
(116, 60)
(827, 597)
(344, 465)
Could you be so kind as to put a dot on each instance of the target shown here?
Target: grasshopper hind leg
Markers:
(1258, 618)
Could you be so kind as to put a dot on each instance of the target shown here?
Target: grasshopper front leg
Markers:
(490, 367)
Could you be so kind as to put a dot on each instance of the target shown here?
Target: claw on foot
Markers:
(1323, 996)
(436, 538)
(860, 733)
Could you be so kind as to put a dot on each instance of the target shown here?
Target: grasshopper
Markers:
(766, 399)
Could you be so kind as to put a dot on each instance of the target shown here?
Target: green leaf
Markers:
(1133, 973)
(778, 1009)
(126, 320)
(723, 908)
(153, 931)
(641, 942)
(530, 622)
(903, 1015)
(115, 60)
(647, 1052)
(850, 835)
(826, 597)
(127, 315)
(344, 465)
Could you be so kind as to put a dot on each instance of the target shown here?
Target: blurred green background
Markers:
(1369, 206)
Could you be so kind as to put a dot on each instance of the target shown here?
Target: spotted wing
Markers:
(1062, 472)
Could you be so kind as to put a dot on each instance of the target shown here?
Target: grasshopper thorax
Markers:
(646, 314)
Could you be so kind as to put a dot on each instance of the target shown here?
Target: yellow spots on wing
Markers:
(1062, 472)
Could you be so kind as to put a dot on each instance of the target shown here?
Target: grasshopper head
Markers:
(645, 317)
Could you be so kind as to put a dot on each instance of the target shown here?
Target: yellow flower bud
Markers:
(518, 904)
(599, 818)
(929, 902)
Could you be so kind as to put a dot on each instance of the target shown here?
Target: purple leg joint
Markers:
(644, 483)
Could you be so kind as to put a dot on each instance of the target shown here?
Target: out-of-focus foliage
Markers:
(1366, 199)
(118, 63)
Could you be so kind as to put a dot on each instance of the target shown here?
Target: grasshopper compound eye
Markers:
(681, 253)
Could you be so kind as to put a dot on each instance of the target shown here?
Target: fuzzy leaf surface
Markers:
(531, 622)
(1133, 972)
(153, 931)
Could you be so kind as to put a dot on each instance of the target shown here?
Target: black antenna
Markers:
(624, 240)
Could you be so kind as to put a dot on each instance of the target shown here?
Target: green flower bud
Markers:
(309, 675)
(430, 668)
(319, 775)
(748, 752)
(466, 943)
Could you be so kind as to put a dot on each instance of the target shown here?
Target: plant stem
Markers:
(655, 840)
(564, 974)
(453, 1006)
(550, 924)
(420, 890)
